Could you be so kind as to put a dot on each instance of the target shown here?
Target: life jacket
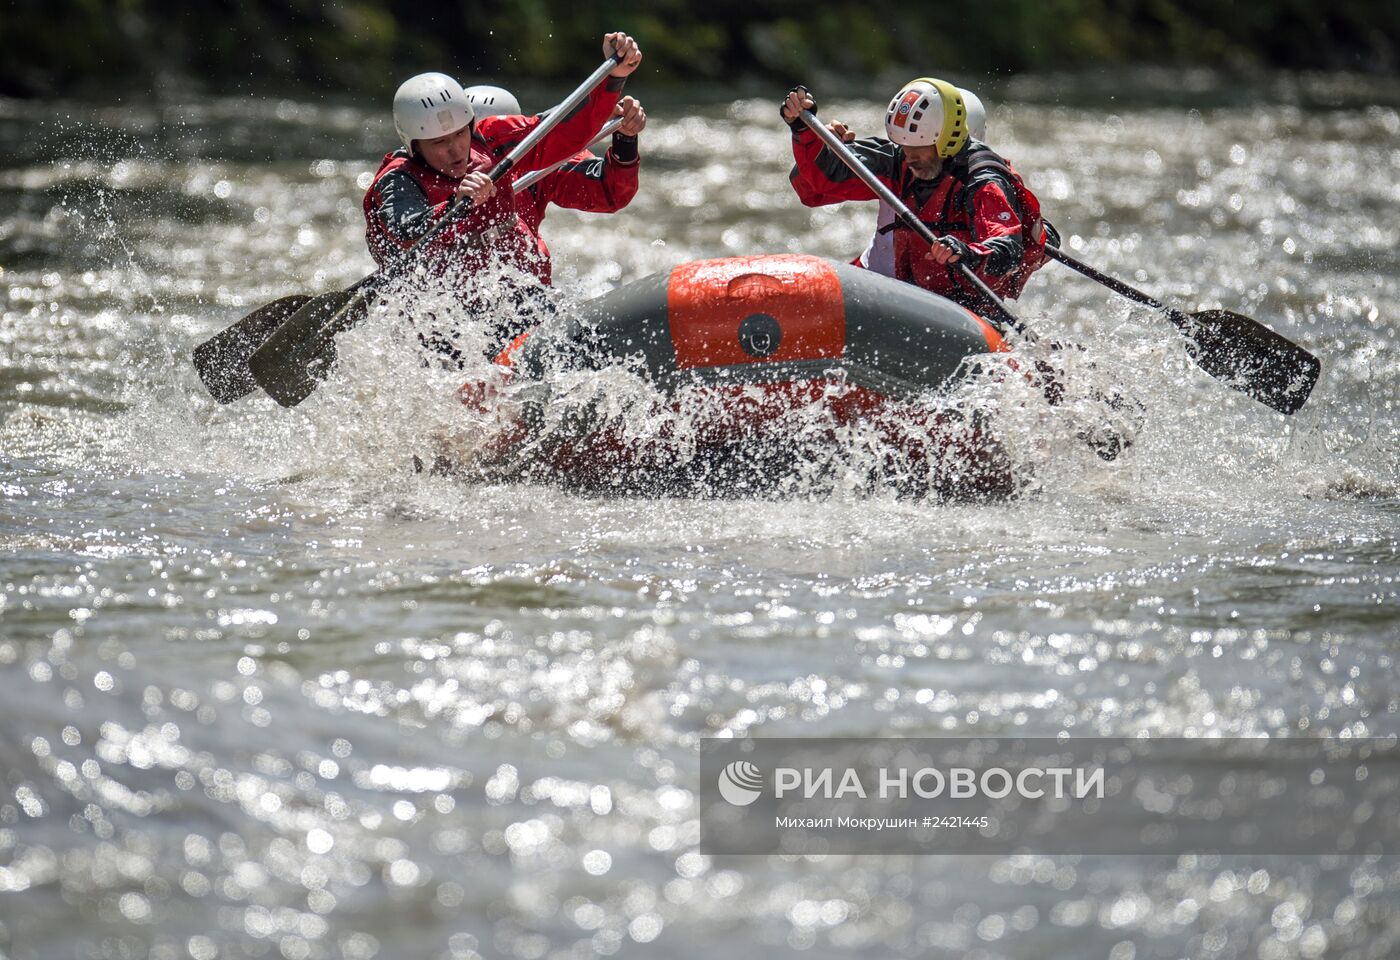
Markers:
(949, 211)
(492, 230)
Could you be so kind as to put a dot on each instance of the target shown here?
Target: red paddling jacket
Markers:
(978, 198)
(592, 184)
(408, 197)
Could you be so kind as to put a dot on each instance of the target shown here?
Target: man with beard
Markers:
(967, 194)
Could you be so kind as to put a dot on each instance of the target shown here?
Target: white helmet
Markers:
(927, 113)
(489, 101)
(976, 115)
(430, 105)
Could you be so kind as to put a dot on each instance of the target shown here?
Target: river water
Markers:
(266, 691)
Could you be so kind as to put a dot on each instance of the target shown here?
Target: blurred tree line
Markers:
(97, 47)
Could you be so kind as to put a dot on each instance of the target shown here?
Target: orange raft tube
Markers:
(764, 342)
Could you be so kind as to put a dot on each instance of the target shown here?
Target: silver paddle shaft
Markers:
(535, 176)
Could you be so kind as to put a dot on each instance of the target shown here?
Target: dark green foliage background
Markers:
(92, 47)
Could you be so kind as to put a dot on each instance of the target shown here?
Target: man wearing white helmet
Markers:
(970, 196)
(585, 182)
(447, 154)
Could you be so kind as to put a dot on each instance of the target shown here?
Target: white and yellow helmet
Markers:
(927, 113)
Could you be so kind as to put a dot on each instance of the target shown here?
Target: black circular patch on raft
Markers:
(759, 335)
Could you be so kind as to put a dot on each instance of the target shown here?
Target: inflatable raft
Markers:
(768, 364)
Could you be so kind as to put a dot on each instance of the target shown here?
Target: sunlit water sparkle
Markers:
(265, 689)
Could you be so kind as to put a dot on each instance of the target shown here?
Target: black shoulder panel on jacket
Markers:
(977, 165)
(881, 157)
(403, 207)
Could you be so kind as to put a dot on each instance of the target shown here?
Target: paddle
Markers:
(222, 360)
(301, 351)
(1243, 353)
(834, 144)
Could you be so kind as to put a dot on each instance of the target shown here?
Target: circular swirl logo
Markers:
(740, 783)
(760, 334)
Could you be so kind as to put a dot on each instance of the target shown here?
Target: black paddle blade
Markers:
(301, 352)
(222, 360)
(1250, 357)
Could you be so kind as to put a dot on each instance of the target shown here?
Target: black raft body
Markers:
(778, 371)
